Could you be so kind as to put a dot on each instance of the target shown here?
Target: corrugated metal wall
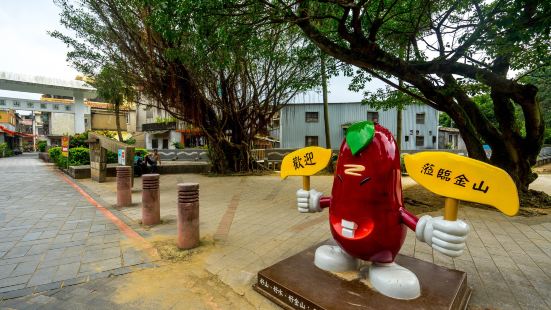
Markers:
(294, 128)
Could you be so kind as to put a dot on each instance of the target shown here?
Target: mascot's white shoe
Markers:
(394, 281)
(333, 258)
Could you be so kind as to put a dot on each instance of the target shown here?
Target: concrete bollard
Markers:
(124, 186)
(151, 204)
(188, 215)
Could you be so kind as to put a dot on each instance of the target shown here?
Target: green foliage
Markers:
(112, 157)
(130, 141)
(542, 79)
(165, 120)
(178, 145)
(111, 86)
(140, 152)
(5, 151)
(79, 156)
(486, 106)
(78, 140)
(385, 99)
(547, 136)
(196, 59)
(41, 145)
(445, 120)
(107, 133)
(54, 153)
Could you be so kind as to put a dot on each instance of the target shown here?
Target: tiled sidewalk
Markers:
(255, 223)
(50, 235)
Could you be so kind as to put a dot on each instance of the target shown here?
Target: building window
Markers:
(406, 138)
(450, 138)
(30, 105)
(311, 141)
(149, 112)
(165, 144)
(373, 116)
(420, 141)
(127, 115)
(155, 143)
(420, 118)
(2, 102)
(56, 106)
(68, 108)
(16, 104)
(43, 106)
(312, 117)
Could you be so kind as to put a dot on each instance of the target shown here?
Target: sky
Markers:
(27, 48)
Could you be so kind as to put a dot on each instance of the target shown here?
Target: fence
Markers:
(183, 154)
(545, 156)
(271, 158)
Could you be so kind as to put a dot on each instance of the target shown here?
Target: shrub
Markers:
(112, 157)
(79, 156)
(130, 141)
(54, 153)
(5, 151)
(41, 145)
(140, 152)
(78, 140)
(178, 145)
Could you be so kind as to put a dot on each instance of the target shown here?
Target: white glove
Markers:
(447, 237)
(308, 201)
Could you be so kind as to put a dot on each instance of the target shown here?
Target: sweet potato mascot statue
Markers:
(367, 216)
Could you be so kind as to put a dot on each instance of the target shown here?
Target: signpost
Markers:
(305, 162)
(461, 178)
(65, 146)
(122, 157)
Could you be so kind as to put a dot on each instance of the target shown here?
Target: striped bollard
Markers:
(124, 186)
(188, 215)
(151, 202)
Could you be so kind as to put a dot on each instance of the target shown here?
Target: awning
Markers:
(158, 132)
(192, 131)
(14, 133)
(6, 130)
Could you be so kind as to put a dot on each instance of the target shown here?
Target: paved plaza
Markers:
(247, 223)
(51, 236)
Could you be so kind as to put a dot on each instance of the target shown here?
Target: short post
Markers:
(124, 186)
(151, 206)
(188, 215)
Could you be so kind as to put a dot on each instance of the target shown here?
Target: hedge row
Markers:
(81, 156)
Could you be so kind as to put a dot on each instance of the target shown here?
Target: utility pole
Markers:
(399, 121)
(326, 110)
(399, 110)
(33, 130)
(325, 103)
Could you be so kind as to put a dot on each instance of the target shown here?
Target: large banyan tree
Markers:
(196, 60)
(442, 53)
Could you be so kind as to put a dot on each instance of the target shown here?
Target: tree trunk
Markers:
(229, 156)
(118, 121)
(508, 150)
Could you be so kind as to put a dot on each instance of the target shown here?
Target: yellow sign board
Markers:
(463, 178)
(65, 146)
(305, 162)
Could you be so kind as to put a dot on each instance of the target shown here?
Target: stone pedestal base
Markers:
(296, 283)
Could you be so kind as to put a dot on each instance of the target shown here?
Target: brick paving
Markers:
(255, 223)
(50, 235)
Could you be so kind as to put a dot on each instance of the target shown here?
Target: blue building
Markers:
(302, 124)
